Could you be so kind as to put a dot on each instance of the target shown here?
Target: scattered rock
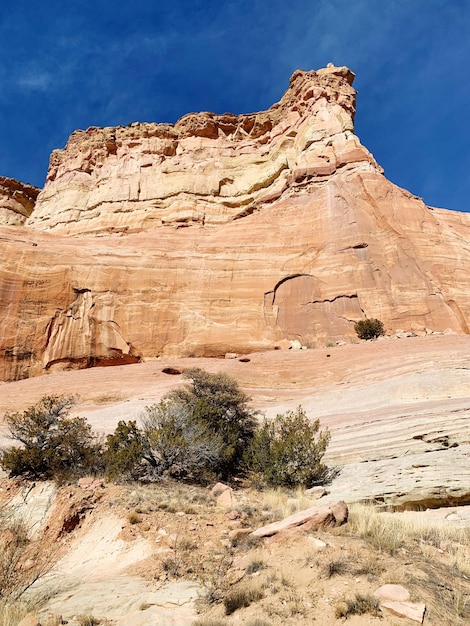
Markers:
(227, 499)
(316, 492)
(392, 592)
(219, 488)
(334, 514)
(172, 371)
(88, 483)
(410, 610)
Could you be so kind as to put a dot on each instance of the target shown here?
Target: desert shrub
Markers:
(22, 560)
(176, 443)
(216, 402)
(359, 605)
(241, 597)
(288, 450)
(54, 445)
(369, 328)
(124, 452)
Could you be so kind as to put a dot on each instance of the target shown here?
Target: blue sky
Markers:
(78, 63)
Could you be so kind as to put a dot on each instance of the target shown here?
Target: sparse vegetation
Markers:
(335, 567)
(22, 563)
(54, 445)
(359, 605)
(124, 452)
(369, 328)
(176, 442)
(217, 403)
(289, 450)
(134, 518)
(255, 566)
(241, 597)
(88, 620)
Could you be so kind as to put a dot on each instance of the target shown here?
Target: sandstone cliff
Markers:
(16, 201)
(206, 169)
(291, 232)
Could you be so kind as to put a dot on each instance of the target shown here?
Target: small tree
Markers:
(175, 443)
(53, 444)
(216, 402)
(289, 450)
(124, 452)
(369, 328)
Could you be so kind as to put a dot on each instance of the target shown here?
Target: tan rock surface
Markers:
(315, 517)
(292, 234)
(17, 201)
(398, 410)
(207, 168)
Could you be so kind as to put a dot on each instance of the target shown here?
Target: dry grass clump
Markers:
(134, 518)
(12, 612)
(389, 532)
(241, 597)
(359, 605)
(169, 496)
(88, 620)
(270, 505)
(335, 567)
(440, 554)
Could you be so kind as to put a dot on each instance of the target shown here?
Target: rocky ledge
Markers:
(206, 169)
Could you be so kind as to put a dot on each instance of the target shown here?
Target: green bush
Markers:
(54, 445)
(217, 403)
(176, 443)
(369, 328)
(124, 452)
(288, 450)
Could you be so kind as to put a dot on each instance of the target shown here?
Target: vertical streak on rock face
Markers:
(84, 335)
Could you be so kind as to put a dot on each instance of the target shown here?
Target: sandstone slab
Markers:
(315, 517)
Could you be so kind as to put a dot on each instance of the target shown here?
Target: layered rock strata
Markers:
(206, 169)
(291, 233)
(17, 201)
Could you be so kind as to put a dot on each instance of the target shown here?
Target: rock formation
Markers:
(291, 233)
(16, 201)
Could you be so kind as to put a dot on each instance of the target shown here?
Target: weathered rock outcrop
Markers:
(292, 232)
(206, 169)
(16, 201)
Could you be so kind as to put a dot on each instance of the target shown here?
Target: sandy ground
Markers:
(397, 409)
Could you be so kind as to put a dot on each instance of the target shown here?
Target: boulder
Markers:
(315, 517)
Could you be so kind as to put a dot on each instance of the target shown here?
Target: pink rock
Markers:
(257, 193)
(226, 499)
(410, 610)
(219, 488)
(29, 620)
(392, 592)
(334, 514)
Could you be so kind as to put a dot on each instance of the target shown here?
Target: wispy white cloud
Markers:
(34, 81)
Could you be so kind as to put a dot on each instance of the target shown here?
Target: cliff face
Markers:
(17, 201)
(206, 169)
(291, 232)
